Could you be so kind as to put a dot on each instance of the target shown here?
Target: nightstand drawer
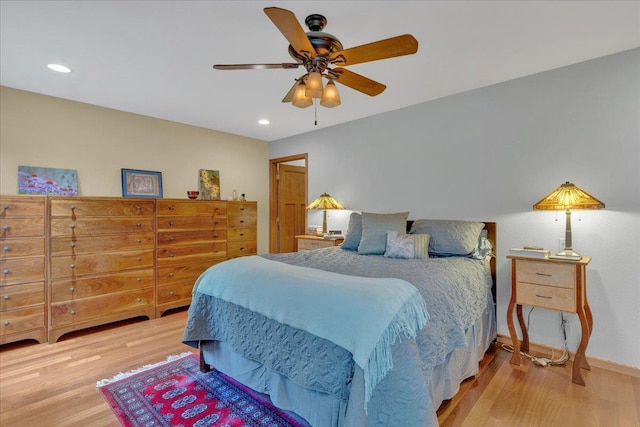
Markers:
(306, 245)
(546, 273)
(545, 296)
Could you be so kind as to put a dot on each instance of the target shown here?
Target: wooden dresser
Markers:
(191, 237)
(101, 266)
(22, 268)
(242, 232)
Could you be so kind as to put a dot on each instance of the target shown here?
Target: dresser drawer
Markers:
(124, 281)
(100, 226)
(180, 291)
(191, 207)
(241, 234)
(21, 227)
(239, 221)
(12, 248)
(243, 208)
(171, 238)
(82, 310)
(85, 264)
(67, 245)
(546, 273)
(179, 273)
(238, 249)
(191, 223)
(82, 208)
(21, 320)
(21, 206)
(201, 249)
(552, 297)
(27, 269)
(17, 296)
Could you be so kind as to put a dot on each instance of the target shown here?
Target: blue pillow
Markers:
(449, 237)
(354, 232)
(374, 231)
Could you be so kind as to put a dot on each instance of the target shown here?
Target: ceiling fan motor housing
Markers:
(325, 44)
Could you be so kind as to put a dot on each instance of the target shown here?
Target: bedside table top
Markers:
(310, 237)
(582, 261)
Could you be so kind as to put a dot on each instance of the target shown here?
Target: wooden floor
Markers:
(51, 385)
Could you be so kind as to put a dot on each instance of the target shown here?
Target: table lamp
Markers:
(324, 202)
(566, 197)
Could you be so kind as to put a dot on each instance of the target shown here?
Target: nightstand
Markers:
(307, 242)
(552, 284)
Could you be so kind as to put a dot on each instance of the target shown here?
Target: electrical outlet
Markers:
(561, 245)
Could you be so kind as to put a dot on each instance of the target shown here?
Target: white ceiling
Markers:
(154, 57)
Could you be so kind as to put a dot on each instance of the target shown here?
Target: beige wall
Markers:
(38, 130)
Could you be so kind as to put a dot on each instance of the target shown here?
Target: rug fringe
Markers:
(121, 375)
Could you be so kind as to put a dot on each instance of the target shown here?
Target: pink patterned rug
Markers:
(176, 393)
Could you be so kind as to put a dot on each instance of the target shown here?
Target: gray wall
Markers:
(490, 154)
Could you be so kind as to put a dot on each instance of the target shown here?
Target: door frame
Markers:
(273, 200)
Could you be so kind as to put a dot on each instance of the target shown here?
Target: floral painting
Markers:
(209, 184)
(54, 181)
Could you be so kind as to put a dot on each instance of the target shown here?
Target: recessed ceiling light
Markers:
(264, 121)
(59, 68)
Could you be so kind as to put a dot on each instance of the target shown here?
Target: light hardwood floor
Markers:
(52, 385)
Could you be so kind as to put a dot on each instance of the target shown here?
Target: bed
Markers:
(255, 338)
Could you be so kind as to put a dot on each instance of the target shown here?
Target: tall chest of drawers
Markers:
(101, 266)
(242, 232)
(22, 268)
(191, 237)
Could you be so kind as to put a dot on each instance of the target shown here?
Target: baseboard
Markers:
(544, 350)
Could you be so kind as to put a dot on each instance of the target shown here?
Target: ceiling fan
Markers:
(322, 55)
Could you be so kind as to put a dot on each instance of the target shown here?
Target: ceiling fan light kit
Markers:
(317, 51)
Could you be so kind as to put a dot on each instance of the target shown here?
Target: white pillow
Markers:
(400, 245)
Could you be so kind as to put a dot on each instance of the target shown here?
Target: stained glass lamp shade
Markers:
(324, 202)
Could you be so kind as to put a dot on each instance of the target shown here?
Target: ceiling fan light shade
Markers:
(314, 85)
(300, 99)
(330, 96)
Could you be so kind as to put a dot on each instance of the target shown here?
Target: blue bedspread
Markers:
(456, 292)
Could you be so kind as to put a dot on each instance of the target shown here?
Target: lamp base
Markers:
(568, 254)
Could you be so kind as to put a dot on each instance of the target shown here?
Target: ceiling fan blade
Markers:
(254, 66)
(358, 82)
(382, 49)
(291, 29)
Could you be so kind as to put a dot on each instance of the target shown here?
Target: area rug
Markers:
(176, 393)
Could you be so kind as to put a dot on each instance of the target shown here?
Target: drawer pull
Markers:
(72, 266)
(139, 224)
(139, 299)
(241, 209)
(73, 245)
(6, 271)
(72, 226)
(139, 259)
(171, 255)
(215, 236)
(72, 290)
(5, 207)
(171, 274)
(72, 207)
(544, 296)
(5, 228)
(242, 249)
(139, 279)
(216, 223)
(171, 223)
(139, 240)
(241, 234)
(172, 293)
(171, 208)
(544, 274)
(6, 248)
(6, 323)
(241, 221)
(139, 208)
(171, 239)
(5, 297)
(73, 312)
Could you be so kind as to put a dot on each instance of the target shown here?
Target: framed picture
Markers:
(139, 183)
(54, 181)
(209, 184)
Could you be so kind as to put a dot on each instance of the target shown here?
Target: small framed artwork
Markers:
(55, 181)
(209, 184)
(139, 183)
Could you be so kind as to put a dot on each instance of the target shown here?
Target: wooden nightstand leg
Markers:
(580, 360)
(515, 357)
(523, 328)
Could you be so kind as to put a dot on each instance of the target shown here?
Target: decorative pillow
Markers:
(449, 237)
(354, 232)
(374, 231)
(483, 248)
(400, 245)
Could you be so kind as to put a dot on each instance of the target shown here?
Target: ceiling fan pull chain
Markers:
(315, 107)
